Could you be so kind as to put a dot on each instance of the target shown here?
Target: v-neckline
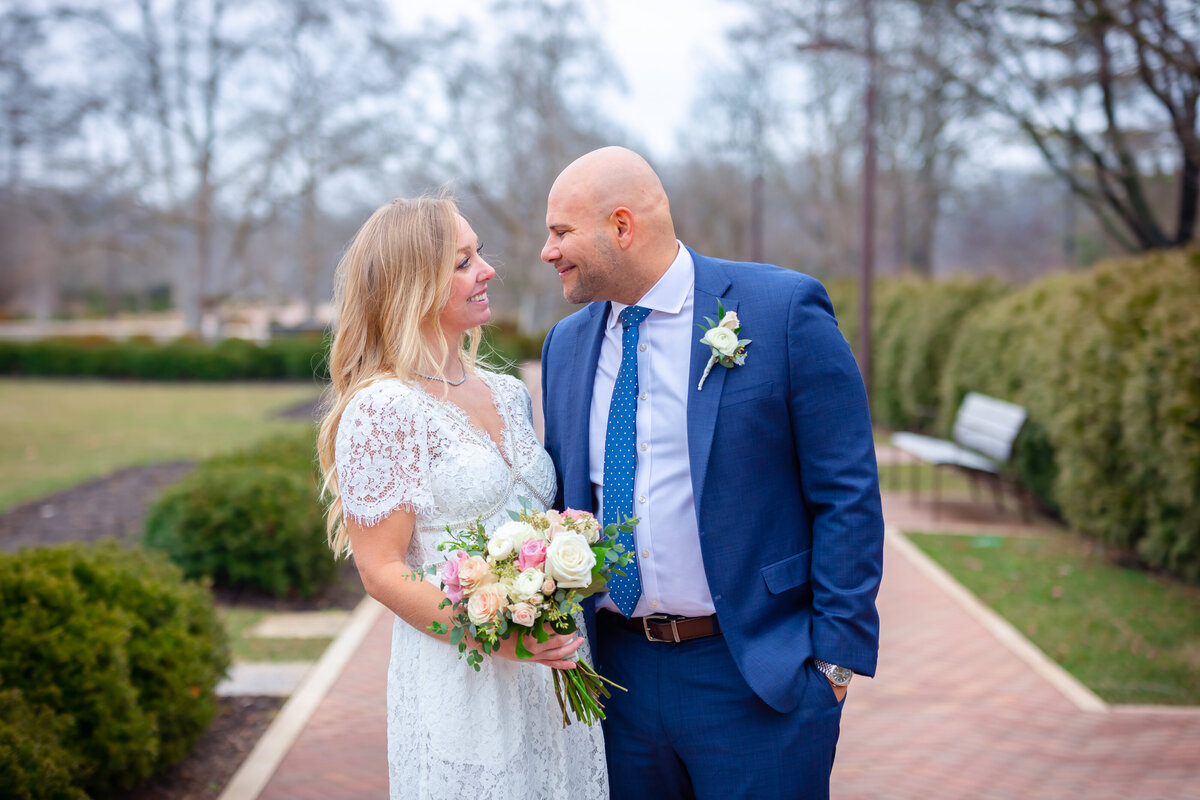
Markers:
(480, 431)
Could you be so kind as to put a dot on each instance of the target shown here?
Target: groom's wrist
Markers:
(836, 675)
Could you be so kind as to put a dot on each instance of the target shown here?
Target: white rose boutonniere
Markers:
(722, 336)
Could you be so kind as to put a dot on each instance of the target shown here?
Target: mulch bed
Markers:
(114, 507)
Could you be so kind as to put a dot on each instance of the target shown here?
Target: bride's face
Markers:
(467, 306)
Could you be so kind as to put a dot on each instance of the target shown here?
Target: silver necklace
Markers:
(458, 382)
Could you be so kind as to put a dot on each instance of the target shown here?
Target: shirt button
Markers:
(654, 604)
(645, 447)
(645, 395)
(642, 499)
(642, 348)
(645, 554)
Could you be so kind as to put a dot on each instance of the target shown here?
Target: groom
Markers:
(750, 602)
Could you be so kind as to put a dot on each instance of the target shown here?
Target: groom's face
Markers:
(580, 249)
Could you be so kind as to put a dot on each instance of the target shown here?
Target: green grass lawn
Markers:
(57, 433)
(252, 648)
(1131, 637)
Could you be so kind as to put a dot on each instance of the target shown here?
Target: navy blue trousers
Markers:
(691, 727)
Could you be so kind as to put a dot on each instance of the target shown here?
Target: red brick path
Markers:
(342, 752)
(952, 714)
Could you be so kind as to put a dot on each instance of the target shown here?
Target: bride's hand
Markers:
(551, 652)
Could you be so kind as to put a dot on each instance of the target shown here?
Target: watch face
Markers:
(841, 675)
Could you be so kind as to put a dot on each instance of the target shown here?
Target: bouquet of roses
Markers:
(527, 577)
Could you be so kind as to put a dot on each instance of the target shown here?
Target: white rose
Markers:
(500, 547)
(730, 320)
(723, 340)
(527, 584)
(508, 538)
(569, 561)
(486, 604)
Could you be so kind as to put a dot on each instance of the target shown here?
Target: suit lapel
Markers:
(712, 283)
(577, 493)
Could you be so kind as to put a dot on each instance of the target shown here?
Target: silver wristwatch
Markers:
(838, 676)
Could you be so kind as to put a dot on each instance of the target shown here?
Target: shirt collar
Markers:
(670, 292)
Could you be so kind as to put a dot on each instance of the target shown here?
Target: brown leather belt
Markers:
(667, 628)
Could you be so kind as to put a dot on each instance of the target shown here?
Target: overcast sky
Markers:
(662, 46)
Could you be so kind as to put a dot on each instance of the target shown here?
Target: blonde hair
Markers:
(390, 287)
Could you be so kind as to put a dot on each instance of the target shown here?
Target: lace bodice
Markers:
(399, 446)
(453, 732)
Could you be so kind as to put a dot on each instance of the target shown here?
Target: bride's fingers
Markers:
(556, 651)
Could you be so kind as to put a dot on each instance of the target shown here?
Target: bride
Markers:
(418, 437)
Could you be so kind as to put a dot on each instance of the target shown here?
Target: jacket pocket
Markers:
(789, 573)
(746, 393)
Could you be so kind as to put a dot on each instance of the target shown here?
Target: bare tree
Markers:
(518, 110)
(1106, 91)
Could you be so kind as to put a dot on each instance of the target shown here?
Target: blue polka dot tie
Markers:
(620, 458)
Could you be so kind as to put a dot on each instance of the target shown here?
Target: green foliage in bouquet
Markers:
(249, 526)
(121, 652)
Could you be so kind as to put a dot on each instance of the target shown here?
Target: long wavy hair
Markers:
(390, 289)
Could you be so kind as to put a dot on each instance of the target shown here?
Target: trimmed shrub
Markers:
(1105, 362)
(34, 763)
(914, 324)
(302, 358)
(116, 645)
(251, 527)
(291, 451)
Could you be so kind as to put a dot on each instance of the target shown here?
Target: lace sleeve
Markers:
(382, 455)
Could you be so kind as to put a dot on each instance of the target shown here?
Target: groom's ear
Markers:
(622, 221)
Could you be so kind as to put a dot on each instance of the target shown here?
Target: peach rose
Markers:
(487, 602)
(474, 573)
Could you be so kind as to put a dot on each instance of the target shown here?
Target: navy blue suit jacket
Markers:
(782, 467)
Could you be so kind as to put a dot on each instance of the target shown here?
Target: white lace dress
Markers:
(453, 732)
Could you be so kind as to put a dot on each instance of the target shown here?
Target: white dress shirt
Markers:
(668, 541)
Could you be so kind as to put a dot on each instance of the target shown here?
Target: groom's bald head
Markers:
(611, 233)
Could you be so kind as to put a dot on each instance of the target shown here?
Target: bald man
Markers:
(758, 552)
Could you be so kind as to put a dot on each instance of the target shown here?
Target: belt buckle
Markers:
(660, 618)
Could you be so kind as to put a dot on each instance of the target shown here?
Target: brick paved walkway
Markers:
(952, 714)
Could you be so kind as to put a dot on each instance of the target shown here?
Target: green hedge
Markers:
(1106, 363)
(122, 652)
(183, 359)
(251, 520)
(913, 327)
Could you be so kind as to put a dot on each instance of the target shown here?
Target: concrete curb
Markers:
(254, 773)
(1083, 698)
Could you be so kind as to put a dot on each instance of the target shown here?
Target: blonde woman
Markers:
(418, 437)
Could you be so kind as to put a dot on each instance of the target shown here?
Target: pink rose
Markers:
(533, 553)
(474, 573)
(548, 587)
(523, 614)
(574, 514)
(449, 575)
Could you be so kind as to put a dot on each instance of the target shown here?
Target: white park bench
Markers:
(984, 431)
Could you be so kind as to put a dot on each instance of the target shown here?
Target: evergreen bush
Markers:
(34, 763)
(252, 526)
(1105, 362)
(300, 358)
(122, 651)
